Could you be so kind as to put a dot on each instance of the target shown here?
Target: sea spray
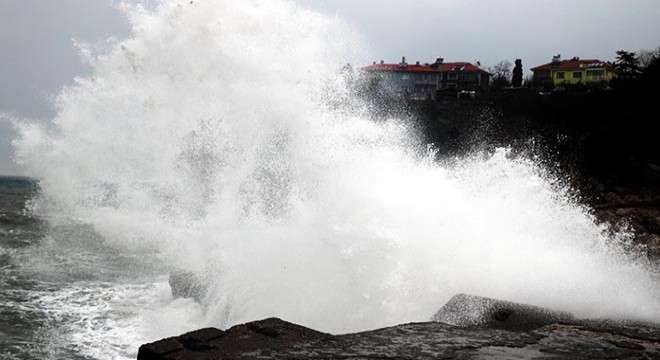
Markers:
(206, 142)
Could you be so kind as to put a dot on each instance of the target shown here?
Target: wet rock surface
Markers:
(634, 209)
(475, 311)
(483, 334)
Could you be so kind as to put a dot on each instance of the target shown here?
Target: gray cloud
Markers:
(37, 55)
(494, 30)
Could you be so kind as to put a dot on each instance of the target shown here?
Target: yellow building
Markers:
(590, 72)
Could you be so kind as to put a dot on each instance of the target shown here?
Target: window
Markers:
(596, 74)
(560, 74)
(405, 77)
(577, 74)
(423, 78)
(453, 76)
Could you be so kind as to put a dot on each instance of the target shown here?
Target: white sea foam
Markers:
(204, 140)
(106, 320)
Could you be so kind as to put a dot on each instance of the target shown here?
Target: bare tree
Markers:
(646, 57)
(501, 74)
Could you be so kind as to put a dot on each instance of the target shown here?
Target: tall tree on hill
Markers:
(627, 64)
(517, 79)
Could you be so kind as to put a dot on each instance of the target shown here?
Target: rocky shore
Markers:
(599, 143)
(467, 327)
(638, 211)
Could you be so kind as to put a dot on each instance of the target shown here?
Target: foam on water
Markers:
(205, 141)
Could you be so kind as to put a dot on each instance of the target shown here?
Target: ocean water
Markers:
(223, 138)
(63, 293)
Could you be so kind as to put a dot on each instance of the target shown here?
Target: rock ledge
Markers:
(482, 328)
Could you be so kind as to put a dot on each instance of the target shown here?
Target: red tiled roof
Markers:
(445, 67)
(396, 67)
(463, 66)
(572, 64)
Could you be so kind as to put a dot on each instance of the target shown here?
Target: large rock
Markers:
(476, 311)
(238, 342)
(492, 335)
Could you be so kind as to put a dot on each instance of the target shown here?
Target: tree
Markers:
(501, 74)
(647, 57)
(517, 79)
(650, 76)
(627, 64)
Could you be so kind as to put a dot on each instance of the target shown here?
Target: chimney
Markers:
(439, 61)
(403, 62)
(382, 62)
(556, 58)
(374, 63)
(417, 63)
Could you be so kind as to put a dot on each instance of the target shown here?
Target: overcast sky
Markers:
(37, 54)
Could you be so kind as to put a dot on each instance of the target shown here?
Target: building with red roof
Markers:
(558, 73)
(423, 81)
(461, 76)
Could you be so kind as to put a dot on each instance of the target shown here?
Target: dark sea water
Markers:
(64, 293)
(19, 231)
